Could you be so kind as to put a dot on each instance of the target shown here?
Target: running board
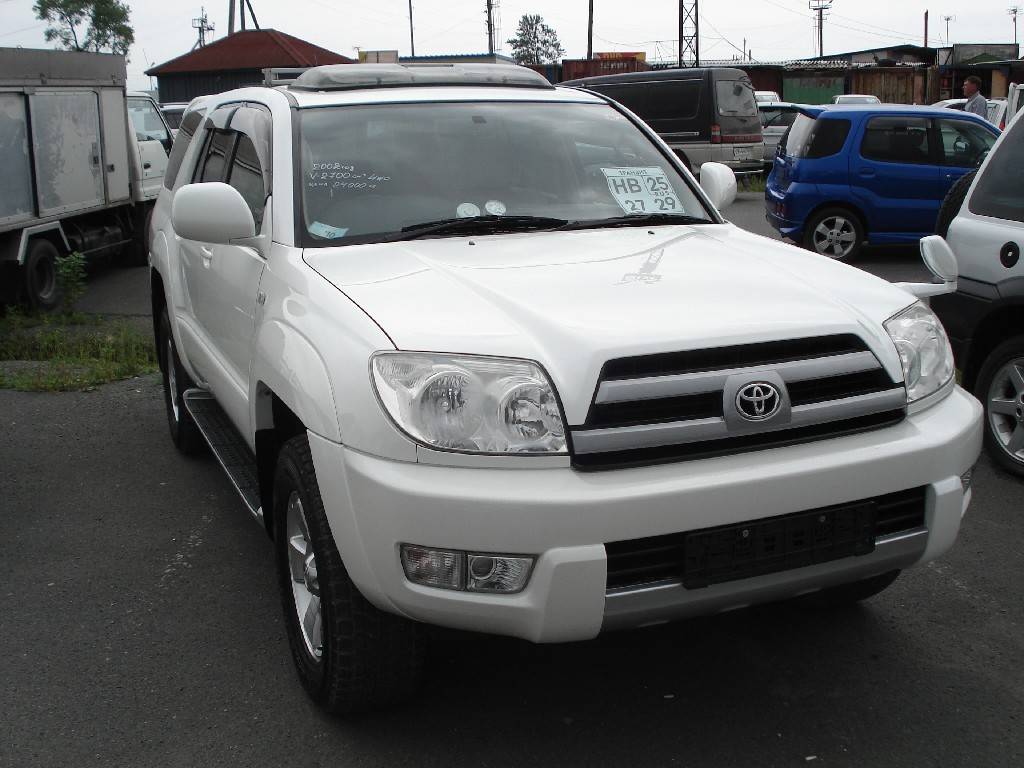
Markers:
(228, 446)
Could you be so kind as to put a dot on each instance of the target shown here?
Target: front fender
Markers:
(286, 362)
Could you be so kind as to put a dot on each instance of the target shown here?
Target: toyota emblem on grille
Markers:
(758, 401)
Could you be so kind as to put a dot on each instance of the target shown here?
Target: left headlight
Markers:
(924, 350)
(470, 404)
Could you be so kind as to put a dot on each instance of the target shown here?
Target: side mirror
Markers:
(719, 182)
(213, 212)
(939, 258)
(941, 262)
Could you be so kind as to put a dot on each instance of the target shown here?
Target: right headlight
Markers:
(469, 403)
(924, 350)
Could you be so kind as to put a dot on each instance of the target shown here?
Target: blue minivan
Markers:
(849, 175)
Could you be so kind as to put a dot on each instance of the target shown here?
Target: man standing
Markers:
(976, 103)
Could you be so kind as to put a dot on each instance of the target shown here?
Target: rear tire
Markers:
(953, 202)
(1001, 390)
(836, 233)
(855, 592)
(39, 276)
(350, 656)
(184, 433)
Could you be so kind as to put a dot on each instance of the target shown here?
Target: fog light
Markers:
(433, 567)
(498, 573)
(965, 479)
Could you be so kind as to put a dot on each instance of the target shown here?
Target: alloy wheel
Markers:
(172, 380)
(1006, 408)
(835, 237)
(305, 582)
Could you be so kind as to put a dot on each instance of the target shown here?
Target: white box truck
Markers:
(83, 161)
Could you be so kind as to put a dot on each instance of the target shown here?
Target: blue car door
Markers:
(895, 175)
(964, 144)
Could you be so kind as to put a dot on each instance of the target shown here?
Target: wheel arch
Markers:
(276, 423)
(990, 333)
(845, 205)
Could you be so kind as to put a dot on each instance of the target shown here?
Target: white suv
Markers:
(985, 316)
(480, 353)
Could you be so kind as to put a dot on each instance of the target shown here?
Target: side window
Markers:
(247, 177)
(897, 140)
(999, 192)
(147, 122)
(215, 162)
(964, 144)
(663, 104)
(189, 124)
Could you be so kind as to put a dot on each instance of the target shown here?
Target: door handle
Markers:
(867, 173)
(146, 166)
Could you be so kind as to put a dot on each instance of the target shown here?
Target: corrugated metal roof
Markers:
(251, 49)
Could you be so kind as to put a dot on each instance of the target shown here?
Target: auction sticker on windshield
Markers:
(642, 190)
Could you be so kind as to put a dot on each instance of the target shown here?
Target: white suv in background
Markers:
(479, 352)
(985, 317)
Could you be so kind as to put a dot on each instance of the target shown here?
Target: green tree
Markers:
(535, 42)
(106, 24)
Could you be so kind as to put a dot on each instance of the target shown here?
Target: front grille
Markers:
(675, 406)
(708, 556)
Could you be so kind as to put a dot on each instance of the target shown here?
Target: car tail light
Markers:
(716, 134)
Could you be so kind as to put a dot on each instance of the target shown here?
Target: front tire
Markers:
(184, 433)
(836, 233)
(350, 656)
(1000, 388)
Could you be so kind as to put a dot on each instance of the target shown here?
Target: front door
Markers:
(965, 145)
(895, 174)
(153, 142)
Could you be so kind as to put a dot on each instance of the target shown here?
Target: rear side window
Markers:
(897, 140)
(815, 139)
(964, 144)
(999, 192)
(216, 156)
(735, 98)
(658, 103)
(187, 129)
(247, 177)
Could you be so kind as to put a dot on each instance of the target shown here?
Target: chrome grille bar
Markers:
(654, 387)
(682, 432)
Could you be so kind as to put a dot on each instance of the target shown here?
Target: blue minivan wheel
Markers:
(836, 233)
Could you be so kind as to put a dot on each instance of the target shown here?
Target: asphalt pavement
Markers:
(140, 625)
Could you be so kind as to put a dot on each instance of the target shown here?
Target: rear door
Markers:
(895, 175)
(965, 144)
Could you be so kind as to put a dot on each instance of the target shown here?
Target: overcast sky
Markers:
(773, 29)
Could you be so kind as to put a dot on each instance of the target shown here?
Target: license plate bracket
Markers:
(741, 551)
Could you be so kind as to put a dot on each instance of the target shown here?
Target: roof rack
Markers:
(348, 77)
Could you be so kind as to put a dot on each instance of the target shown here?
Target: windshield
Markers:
(372, 171)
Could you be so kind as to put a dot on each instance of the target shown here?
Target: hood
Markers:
(573, 300)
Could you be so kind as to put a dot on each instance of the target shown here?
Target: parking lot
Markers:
(140, 624)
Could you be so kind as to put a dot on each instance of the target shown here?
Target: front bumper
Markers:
(565, 518)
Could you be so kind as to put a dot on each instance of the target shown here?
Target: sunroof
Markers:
(343, 77)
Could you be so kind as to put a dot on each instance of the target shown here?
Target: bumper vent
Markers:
(675, 406)
(727, 553)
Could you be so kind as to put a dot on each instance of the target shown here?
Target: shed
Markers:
(236, 61)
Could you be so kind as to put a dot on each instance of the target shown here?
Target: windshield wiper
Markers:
(636, 220)
(477, 225)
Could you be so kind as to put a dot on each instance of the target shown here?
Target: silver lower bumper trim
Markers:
(666, 601)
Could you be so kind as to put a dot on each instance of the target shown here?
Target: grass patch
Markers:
(54, 353)
(752, 183)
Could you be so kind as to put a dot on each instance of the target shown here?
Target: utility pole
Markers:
(202, 25)
(412, 40)
(689, 33)
(1014, 10)
(948, 19)
(926, 29)
(590, 32)
(820, 7)
(490, 27)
